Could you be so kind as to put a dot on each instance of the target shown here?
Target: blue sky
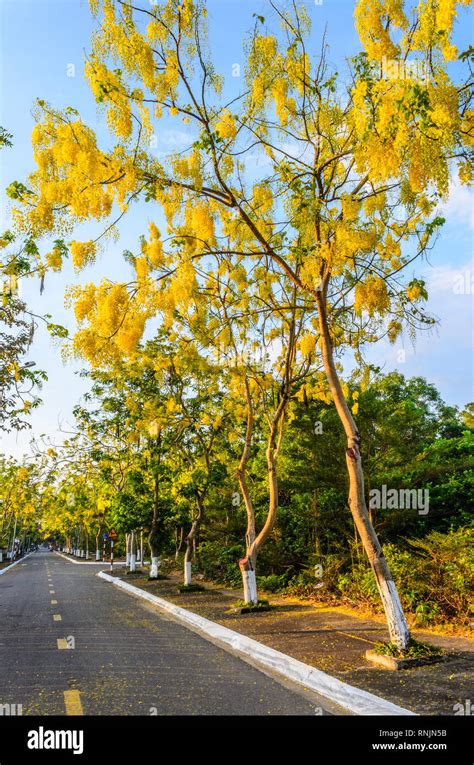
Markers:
(41, 39)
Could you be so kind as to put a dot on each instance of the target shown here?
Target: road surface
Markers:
(71, 643)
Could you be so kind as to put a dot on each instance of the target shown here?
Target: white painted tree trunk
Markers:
(133, 552)
(155, 565)
(396, 621)
(250, 587)
(127, 546)
(97, 553)
(187, 573)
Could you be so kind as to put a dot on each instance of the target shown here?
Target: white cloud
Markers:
(448, 278)
(459, 207)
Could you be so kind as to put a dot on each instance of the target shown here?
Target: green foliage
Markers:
(220, 563)
(5, 137)
(414, 650)
(260, 604)
(434, 575)
(273, 582)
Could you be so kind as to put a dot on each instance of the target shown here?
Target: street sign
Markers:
(112, 537)
(106, 536)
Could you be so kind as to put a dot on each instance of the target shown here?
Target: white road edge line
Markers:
(354, 700)
(20, 560)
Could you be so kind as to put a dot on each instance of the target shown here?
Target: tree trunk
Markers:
(191, 540)
(247, 565)
(127, 550)
(133, 551)
(153, 537)
(397, 624)
(178, 542)
(97, 549)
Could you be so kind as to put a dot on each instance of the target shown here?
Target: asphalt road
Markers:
(71, 643)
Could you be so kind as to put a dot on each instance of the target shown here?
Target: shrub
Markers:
(220, 563)
(273, 582)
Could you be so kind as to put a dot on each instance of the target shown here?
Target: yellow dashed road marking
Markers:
(54, 602)
(57, 617)
(62, 643)
(72, 700)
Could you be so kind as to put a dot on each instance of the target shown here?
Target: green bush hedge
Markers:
(434, 576)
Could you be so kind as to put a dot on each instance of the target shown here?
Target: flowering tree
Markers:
(344, 202)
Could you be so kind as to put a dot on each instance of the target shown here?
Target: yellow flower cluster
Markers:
(435, 26)
(298, 70)
(106, 87)
(361, 111)
(371, 296)
(153, 248)
(183, 285)
(142, 269)
(350, 207)
(71, 175)
(374, 32)
(393, 330)
(84, 301)
(311, 272)
(83, 253)
(279, 90)
(54, 259)
(307, 344)
(375, 203)
(198, 226)
(188, 167)
(22, 474)
(390, 250)
(226, 127)
(156, 31)
(351, 240)
(262, 60)
(262, 201)
(115, 323)
(414, 292)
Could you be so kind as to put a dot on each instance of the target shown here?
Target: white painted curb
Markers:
(90, 562)
(20, 560)
(352, 699)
